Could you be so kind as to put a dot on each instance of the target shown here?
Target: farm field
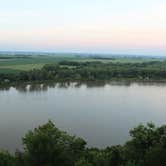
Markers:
(14, 64)
(17, 64)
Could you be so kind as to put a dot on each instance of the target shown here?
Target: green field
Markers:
(17, 64)
(13, 64)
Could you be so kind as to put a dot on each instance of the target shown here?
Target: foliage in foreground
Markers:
(48, 146)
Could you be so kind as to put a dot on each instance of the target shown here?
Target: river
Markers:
(101, 113)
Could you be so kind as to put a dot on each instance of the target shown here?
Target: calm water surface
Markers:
(101, 114)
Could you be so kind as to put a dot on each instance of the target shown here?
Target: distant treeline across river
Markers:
(90, 71)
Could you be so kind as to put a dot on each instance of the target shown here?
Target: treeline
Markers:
(90, 71)
(49, 146)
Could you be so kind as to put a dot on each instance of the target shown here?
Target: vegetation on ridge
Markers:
(49, 146)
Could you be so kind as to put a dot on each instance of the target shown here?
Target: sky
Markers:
(94, 26)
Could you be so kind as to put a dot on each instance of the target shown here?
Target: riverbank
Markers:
(68, 71)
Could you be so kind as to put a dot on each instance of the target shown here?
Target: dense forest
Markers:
(90, 71)
(49, 146)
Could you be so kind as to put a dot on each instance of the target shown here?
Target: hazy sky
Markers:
(109, 26)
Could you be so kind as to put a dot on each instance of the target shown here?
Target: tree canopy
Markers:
(49, 146)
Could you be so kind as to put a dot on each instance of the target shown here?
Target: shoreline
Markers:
(86, 82)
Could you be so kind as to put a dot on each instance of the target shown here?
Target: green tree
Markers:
(82, 162)
(7, 159)
(48, 146)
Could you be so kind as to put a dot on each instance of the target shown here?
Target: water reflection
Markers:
(65, 85)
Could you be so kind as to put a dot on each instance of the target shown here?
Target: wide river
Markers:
(102, 114)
